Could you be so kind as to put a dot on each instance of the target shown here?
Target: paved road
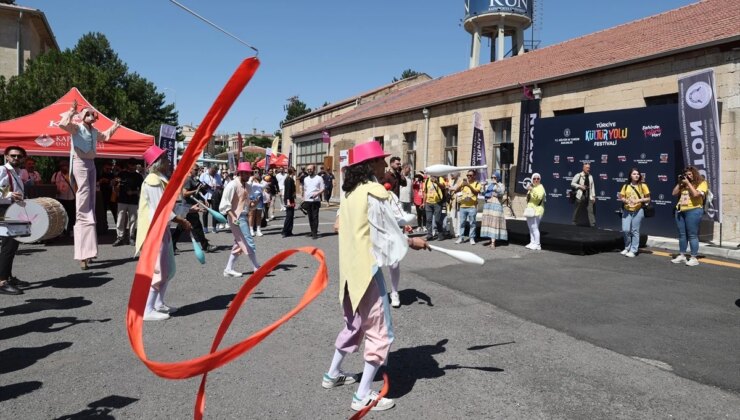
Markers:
(539, 344)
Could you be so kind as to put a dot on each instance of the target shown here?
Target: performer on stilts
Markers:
(164, 269)
(369, 238)
(235, 204)
(85, 138)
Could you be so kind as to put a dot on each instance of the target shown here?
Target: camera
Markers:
(681, 177)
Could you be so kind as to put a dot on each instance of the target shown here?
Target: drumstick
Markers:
(441, 170)
(462, 256)
(216, 215)
(197, 250)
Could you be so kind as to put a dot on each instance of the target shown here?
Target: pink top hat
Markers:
(366, 151)
(152, 154)
(244, 167)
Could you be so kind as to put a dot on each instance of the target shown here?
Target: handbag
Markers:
(529, 212)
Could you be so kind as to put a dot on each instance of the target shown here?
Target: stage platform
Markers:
(569, 239)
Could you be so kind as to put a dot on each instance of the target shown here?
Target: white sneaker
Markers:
(232, 273)
(384, 403)
(692, 262)
(342, 379)
(472, 241)
(630, 255)
(259, 232)
(625, 251)
(166, 309)
(156, 316)
(536, 248)
(529, 245)
(251, 231)
(395, 300)
(679, 259)
(459, 240)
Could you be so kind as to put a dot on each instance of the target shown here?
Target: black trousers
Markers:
(69, 207)
(7, 255)
(313, 216)
(196, 228)
(288, 223)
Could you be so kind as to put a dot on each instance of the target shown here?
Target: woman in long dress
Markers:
(493, 223)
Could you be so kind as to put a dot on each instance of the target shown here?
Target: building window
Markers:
(381, 140)
(410, 142)
(310, 152)
(450, 135)
(671, 98)
(501, 134)
(569, 111)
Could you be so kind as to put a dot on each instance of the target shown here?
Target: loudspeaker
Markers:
(507, 153)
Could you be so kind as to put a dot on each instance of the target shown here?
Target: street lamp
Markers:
(425, 112)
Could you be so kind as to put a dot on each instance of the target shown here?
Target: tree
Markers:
(406, 74)
(7, 1)
(103, 78)
(295, 109)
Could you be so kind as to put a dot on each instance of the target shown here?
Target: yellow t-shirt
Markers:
(468, 198)
(629, 194)
(687, 202)
(432, 191)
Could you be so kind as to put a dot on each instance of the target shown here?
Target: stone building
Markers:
(24, 34)
(633, 65)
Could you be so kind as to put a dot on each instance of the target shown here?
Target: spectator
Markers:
(29, 175)
(65, 194)
(313, 187)
(691, 191)
(535, 201)
(328, 185)
(212, 194)
(128, 187)
(191, 190)
(110, 201)
(289, 197)
(280, 177)
(635, 195)
(406, 190)
(468, 189)
(418, 191)
(256, 203)
(433, 190)
(493, 223)
(583, 183)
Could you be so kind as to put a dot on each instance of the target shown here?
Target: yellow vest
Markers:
(356, 259)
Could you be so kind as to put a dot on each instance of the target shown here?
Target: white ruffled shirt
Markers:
(390, 245)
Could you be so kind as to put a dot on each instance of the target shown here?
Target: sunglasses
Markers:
(16, 156)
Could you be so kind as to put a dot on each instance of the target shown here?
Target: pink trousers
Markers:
(86, 239)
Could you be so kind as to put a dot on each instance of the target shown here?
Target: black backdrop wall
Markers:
(612, 142)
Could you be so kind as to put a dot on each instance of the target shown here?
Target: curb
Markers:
(704, 249)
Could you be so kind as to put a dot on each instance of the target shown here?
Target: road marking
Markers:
(703, 260)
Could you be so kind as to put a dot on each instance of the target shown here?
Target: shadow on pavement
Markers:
(28, 251)
(406, 366)
(37, 305)
(44, 325)
(215, 303)
(84, 280)
(8, 392)
(101, 409)
(96, 265)
(19, 358)
(410, 296)
(490, 345)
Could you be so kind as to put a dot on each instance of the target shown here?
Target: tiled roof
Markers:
(697, 25)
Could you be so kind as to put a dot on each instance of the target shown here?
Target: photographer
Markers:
(690, 190)
(193, 188)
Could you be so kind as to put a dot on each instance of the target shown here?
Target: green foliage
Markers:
(406, 74)
(252, 157)
(100, 75)
(258, 141)
(46, 166)
(295, 109)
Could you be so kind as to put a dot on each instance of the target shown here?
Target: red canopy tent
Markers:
(279, 160)
(39, 134)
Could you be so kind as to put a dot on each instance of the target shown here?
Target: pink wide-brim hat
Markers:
(152, 154)
(244, 167)
(366, 151)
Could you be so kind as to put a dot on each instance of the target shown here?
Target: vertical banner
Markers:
(698, 117)
(325, 137)
(239, 147)
(168, 142)
(268, 154)
(276, 145)
(478, 154)
(529, 114)
(232, 163)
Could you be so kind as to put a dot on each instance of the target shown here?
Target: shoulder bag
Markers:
(647, 208)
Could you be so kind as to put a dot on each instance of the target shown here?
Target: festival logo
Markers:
(620, 178)
(663, 178)
(570, 159)
(604, 176)
(643, 159)
(566, 132)
(569, 177)
(555, 193)
(44, 140)
(556, 159)
(664, 158)
(652, 131)
(607, 134)
(587, 159)
(602, 196)
(556, 175)
(567, 139)
(604, 158)
(698, 95)
(661, 201)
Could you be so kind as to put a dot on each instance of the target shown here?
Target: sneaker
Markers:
(156, 316)
(625, 251)
(679, 259)
(395, 300)
(630, 255)
(692, 262)
(205, 230)
(251, 231)
(472, 241)
(166, 309)
(342, 379)
(536, 248)
(459, 240)
(232, 273)
(118, 242)
(384, 403)
(529, 245)
(259, 232)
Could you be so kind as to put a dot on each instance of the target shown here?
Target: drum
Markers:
(47, 216)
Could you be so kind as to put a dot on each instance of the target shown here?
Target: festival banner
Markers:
(268, 154)
(325, 137)
(232, 162)
(168, 142)
(239, 146)
(276, 144)
(528, 116)
(478, 154)
(700, 137)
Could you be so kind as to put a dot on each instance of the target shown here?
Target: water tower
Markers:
(497, 19)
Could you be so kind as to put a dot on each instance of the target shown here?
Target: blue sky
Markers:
(321, 50)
